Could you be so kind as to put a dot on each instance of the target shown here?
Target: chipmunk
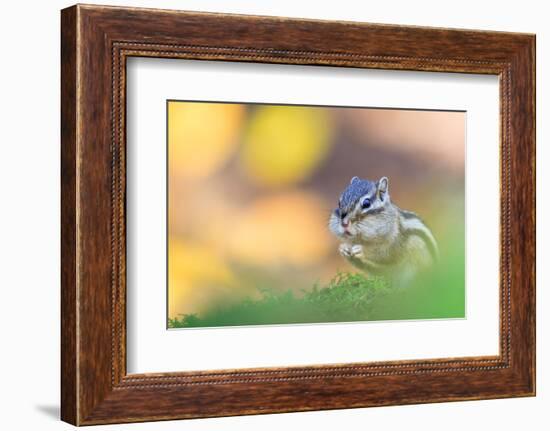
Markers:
(377, 236)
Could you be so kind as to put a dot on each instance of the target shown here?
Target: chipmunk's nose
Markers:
(343, 219)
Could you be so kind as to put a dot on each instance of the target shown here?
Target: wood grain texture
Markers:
(96, 41)
(69, 369)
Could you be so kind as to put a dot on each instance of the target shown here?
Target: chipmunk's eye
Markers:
(366, 204)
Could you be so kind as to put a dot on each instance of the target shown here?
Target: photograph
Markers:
(301, 214)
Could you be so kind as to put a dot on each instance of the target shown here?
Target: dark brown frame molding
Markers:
(95, 43)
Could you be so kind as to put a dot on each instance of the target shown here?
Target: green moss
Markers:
(347, 298)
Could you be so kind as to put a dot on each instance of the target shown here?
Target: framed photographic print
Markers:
(317, 215)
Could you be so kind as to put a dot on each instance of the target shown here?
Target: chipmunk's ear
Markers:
(383, 186)
(354, 180)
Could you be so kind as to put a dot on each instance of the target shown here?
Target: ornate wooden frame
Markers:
(95, 43)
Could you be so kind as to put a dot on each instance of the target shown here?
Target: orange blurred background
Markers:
(251, 188)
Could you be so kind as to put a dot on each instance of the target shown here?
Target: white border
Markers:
(152, 348)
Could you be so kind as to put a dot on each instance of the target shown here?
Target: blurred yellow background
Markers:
(251, 188)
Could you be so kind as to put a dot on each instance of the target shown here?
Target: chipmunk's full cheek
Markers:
(335, 226)
(365, 229)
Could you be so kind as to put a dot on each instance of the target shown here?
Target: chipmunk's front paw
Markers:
(345, 250)
(351, 251)
(357, 252)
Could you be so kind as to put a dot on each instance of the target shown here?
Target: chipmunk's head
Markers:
(361, 209)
